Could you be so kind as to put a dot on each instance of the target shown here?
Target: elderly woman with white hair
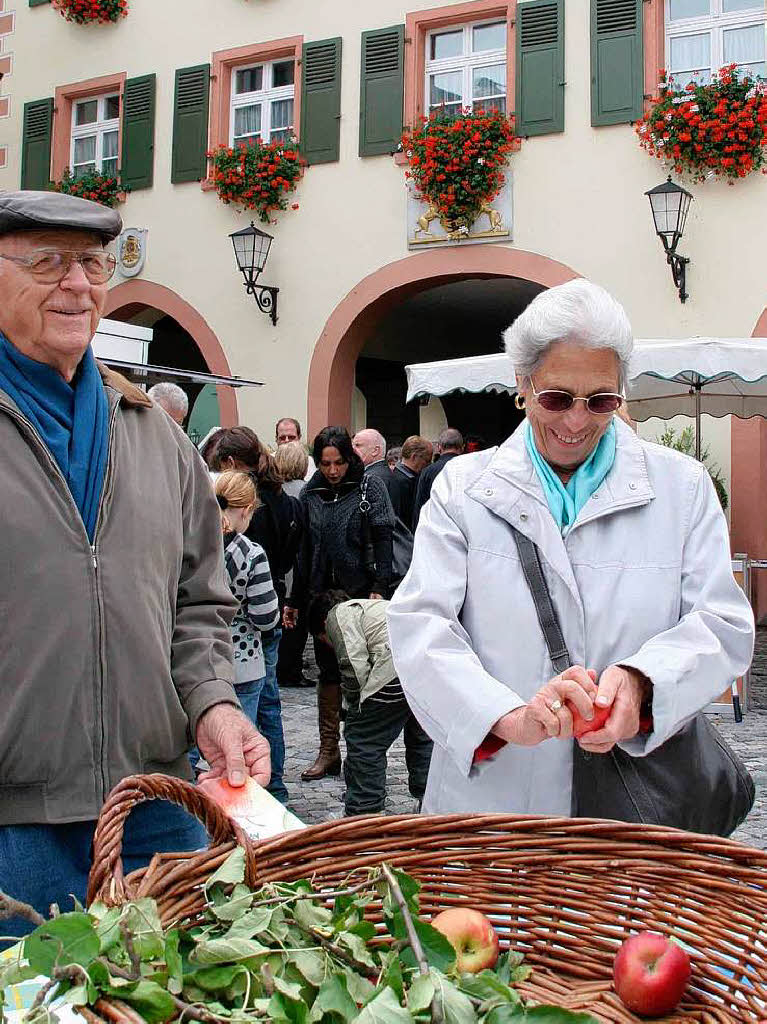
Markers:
(632, 547)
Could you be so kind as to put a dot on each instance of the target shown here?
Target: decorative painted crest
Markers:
(131, 251)
(493, 222)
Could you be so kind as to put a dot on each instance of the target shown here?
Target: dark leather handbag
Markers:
(693, 781)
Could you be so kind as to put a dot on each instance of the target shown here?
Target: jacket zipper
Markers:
(99, 609)
(56, 473)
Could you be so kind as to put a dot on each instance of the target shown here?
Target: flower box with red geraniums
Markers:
(257, 177)
(100, 188)
(703, 130)
(85, 11)
(457, 162)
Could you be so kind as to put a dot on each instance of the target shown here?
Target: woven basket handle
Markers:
(108, 838)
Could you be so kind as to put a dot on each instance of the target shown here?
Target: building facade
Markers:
(366, 282)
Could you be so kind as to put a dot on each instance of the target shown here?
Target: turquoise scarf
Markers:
(72, 420)
(566, 501)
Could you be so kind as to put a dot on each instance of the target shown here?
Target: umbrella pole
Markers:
(697, 422)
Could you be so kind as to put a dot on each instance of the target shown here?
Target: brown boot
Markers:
(328, 712)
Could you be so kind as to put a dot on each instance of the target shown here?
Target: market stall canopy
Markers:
(716, 376)
(474, 374)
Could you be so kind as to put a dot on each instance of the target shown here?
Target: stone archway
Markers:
(131, 297)
(748, 522)
(331, 374)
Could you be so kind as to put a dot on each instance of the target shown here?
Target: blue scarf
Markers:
(566, 501)
(72, 420)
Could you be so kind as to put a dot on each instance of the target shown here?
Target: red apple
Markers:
(472, 937)
(581, 726)
(650, 974)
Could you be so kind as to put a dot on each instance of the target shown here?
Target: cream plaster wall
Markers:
(578, 197)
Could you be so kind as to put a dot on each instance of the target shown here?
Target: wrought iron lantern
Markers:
(670, 204)
(251, 250)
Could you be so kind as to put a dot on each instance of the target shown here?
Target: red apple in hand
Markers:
(650, 974)
(472, 937)
(581, 726)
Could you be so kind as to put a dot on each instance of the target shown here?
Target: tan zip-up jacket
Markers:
(109, 653)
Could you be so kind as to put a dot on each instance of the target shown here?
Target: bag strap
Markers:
(547, 616)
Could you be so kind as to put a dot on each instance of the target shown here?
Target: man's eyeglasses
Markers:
(601, 404)
(52, 265)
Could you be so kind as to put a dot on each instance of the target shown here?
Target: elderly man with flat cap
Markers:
(116, 651)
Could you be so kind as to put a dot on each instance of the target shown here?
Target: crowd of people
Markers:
(481, 602)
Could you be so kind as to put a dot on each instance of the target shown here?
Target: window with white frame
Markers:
(95, 135)
(704, 35)
(262, 102)
(466, 67)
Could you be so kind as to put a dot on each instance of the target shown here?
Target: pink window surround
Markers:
(420, 23)
(65, 97)
(654, 45)
(224, 62)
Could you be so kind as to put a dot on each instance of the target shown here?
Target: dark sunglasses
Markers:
(601, 404)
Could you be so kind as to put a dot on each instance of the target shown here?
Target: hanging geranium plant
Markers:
(703, 130)
(85, 11)
(101, 188)
(257, 177)
(457, 162)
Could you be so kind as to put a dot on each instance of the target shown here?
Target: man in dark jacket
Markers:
(370, 445)
(450, 443)
(417, 454)
(117, 648)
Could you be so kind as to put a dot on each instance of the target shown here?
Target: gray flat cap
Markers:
(36, 211)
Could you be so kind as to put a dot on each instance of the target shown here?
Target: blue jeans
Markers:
(44, 864)
(261, 703)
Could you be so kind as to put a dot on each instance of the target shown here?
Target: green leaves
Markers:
(281, 954)
(67, 939)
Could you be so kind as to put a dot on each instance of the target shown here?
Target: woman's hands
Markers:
(289, 617)
(536, 721)
(625, 689)
(622, 689)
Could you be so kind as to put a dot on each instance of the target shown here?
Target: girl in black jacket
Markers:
(346, 543)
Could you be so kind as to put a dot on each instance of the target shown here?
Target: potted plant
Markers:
(457, 163)
(702, 130)
(257, 177)
(84, 12)
(101, 188)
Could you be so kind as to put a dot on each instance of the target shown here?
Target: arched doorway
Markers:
(358, 316)
(183, 338)
(748, 522)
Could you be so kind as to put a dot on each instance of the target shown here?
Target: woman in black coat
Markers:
(346, 544)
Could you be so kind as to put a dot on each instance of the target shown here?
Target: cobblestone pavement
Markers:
(319, 801)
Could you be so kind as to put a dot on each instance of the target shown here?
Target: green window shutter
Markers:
(37, 3)
(138, 132)
(321, 101)
(36, 144)
(540, 100)
(617, 61)
(382, 88)
(190, 124)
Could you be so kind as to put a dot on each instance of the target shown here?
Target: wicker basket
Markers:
(564, 891)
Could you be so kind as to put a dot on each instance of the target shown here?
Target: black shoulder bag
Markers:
(694, 781)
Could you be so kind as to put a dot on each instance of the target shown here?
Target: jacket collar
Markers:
(509, 487)
(130, 395)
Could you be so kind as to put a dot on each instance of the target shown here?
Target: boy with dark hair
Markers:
(376, 708)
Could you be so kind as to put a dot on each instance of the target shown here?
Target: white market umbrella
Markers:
(716, 376)
(473, 373)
